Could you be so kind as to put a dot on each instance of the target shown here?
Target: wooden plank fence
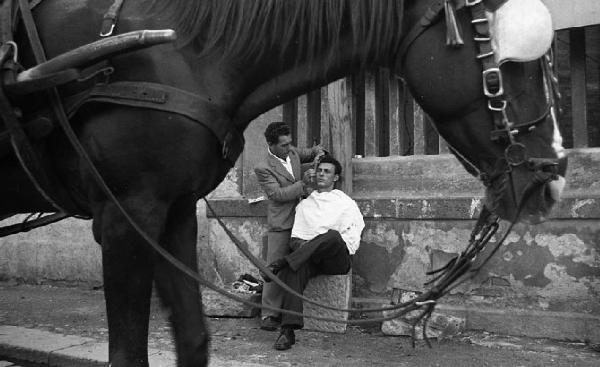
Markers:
(383, 120)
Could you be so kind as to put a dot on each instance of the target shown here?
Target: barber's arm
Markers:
(275, 192)
(308, 154)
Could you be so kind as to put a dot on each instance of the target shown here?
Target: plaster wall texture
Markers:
(552, 266)
(419, 214)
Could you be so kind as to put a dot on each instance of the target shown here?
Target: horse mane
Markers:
(246, 28)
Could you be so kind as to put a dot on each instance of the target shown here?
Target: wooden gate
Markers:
(385, 121)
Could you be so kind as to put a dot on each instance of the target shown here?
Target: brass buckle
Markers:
(501, 108)
(15, 50)
(486, 89)
(472, 2)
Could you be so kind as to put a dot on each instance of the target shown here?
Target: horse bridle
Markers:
(504, 131)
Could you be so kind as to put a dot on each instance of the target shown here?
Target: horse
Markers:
(235, 60)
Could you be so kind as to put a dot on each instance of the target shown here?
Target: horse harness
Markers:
(146, 95)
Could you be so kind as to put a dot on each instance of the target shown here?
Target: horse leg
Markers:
(179, 292)
(128, 271)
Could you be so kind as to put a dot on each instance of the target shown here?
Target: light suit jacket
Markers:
(283, 190)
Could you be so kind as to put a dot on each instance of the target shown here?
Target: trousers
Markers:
(277, 247)
(326, 254)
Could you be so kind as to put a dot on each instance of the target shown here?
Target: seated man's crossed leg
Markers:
(326, 254)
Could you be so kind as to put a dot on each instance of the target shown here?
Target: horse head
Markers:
(491, 96)
(490, 92)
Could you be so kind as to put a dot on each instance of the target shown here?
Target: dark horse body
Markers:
(244, 57)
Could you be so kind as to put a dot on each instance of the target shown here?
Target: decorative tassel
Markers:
(453, 37)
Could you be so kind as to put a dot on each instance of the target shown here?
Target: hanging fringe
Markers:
(453, 37)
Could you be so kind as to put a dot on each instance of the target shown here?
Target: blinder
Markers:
(521, 30)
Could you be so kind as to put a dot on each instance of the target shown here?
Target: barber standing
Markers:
(279, 175)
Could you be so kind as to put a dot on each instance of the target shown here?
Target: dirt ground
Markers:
(79, 310)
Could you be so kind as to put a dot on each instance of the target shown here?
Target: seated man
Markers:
(325, 235)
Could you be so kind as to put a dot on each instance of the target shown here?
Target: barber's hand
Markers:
(318, 150)
(310, 177)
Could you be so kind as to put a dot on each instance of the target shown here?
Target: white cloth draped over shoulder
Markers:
(322, 211)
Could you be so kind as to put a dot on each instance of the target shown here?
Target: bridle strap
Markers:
(430, 16)
(109, 22)
(30, 223)
(490, 5)
(165, 98)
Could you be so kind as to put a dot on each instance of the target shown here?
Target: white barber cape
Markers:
(322, 211)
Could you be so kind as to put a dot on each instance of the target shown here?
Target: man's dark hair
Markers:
(329, 159)
(275, 130)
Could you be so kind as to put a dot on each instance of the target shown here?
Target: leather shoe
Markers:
(269, 323)
(275, 268)
(286, 339)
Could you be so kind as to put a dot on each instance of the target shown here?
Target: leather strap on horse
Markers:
(109, 21)
(6, 20)
(432, 14)
(29, 224)
(168, 99)
(28, 155)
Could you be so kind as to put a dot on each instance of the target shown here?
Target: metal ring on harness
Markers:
(516, 154)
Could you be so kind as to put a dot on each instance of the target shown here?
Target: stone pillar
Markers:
(334, 290)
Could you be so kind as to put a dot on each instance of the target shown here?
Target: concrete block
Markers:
(217, 305)
(34, 345)
(90, 355)
(438, 326)
(400, 327)
(334, 290)
(447, 325)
